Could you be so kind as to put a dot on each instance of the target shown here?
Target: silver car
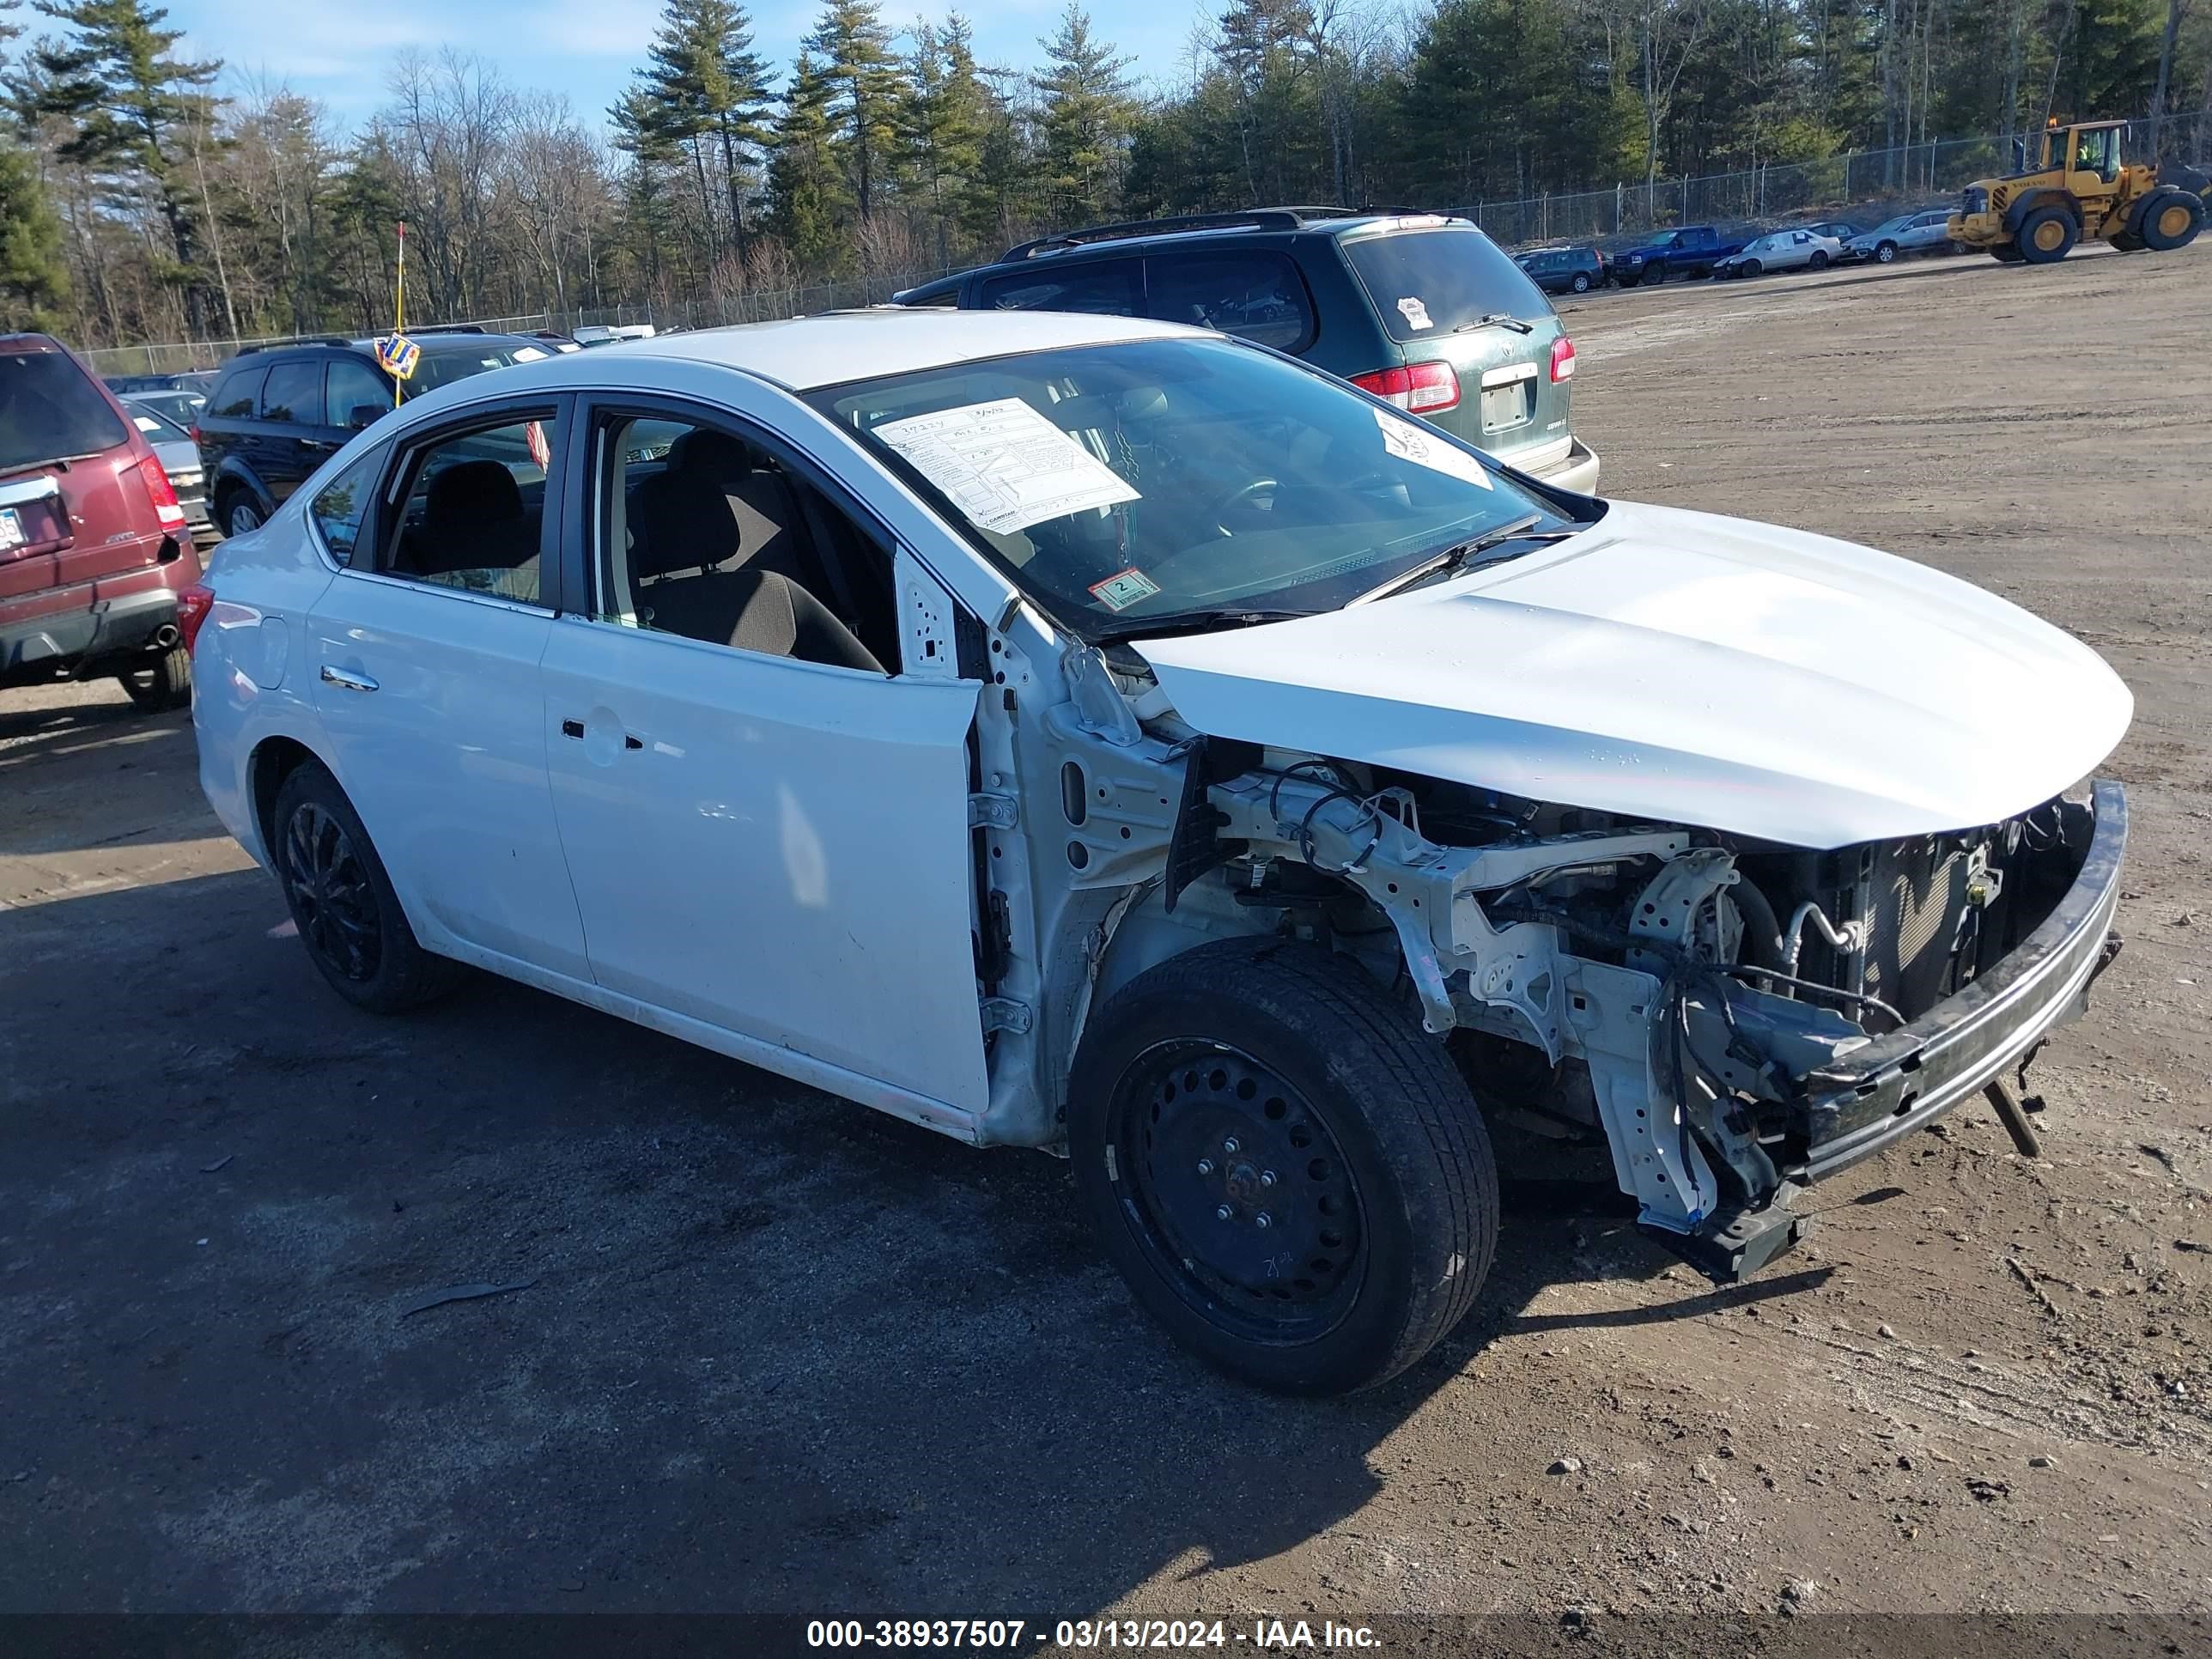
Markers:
(1910, 233)
(1782, 249)
(179, 457)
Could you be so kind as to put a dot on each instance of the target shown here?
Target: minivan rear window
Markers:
(1426, 283)
(50, 411)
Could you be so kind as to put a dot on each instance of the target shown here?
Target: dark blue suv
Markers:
(1421, 309)
(280, 412)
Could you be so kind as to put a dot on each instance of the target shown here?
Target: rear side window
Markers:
(1257, 296)
(50, 410)
(294, 392)
(240, 395)
(353, 385)
(1426, 283)
(1112, 288)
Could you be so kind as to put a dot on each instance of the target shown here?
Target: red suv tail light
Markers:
(1417, 388)
(193, 431)
(1563, 359)
(162, 493)
(193, 605)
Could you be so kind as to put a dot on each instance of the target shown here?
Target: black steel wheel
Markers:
(342, 900)
(1288, 1171)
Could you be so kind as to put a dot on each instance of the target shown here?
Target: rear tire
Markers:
(2171, 219)
(240, 514)
(2128, 242)
(1263, 1079)
(342, 900)
(162, 683)
(1582, 283)
(1820, 259)
(2009, 256)
(2047, 235)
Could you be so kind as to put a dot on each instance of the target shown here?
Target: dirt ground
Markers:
(779, 1352)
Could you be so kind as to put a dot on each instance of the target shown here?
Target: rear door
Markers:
(290, 443)
(1435, 289)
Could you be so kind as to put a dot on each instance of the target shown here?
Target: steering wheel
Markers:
(1242, 496)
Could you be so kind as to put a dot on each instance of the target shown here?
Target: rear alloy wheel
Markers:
(240, 516)
(160, 682)
(1820, 259)
(2047, 235)
(1886, 254)
(2171, 220)
(1581, 285)
(342, 900)
(1288, 1171)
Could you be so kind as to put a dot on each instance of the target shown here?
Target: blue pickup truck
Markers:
(1693, 250)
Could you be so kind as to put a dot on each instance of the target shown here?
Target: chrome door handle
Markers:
(348, 678)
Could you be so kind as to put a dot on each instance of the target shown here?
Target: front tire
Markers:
(2047, 235)
(1288, 1171)
(2009, 256)
(1886, 254)
(2171, 220)
(1655, 274)
(342, 900)
(1751, 268)
(161, 682)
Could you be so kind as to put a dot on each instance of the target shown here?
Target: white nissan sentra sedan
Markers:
(1090, 734)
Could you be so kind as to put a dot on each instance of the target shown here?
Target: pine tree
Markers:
(34, 269)
(1089, 113)
(806, 190)
(866, 86)
(135, 108)
(706, 82)
(946, 117)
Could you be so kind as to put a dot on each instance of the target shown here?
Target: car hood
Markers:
(1683, 668)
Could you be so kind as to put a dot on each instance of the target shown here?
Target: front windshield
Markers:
(1136, 487)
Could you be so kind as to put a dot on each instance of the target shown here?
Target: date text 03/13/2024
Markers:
(1089, 1635)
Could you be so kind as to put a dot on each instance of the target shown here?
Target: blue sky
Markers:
(586, 48)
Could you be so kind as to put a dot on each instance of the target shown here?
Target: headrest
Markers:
(705, 453)
(472, 495)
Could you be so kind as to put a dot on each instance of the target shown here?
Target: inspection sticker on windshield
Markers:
(1124, 588)
(1415, 313)
(1005, 465)
(1409, 441)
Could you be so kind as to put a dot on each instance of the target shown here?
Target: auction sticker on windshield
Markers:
(1004, 464)
(1124, 588)
(1409, 441)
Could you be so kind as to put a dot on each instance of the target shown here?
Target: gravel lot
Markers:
(779, 1352)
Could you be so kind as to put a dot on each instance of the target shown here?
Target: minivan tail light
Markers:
(162, 492)
(1417, 388)
(1563, 359)
(193, 605)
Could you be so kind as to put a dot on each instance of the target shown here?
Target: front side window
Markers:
(1256, 296)
(705, 535)
(1139, 486)
(340, 505)
(1107, 288)
(474, 512)
(354, 385)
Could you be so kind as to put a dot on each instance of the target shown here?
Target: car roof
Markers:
(807, 353)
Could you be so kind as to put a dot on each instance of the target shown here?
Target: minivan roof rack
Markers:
(1265, 218)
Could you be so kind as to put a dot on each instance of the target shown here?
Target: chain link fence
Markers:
(1871, 184)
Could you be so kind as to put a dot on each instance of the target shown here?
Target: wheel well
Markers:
(275, 759)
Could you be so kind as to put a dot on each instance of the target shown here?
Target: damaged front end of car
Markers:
(1737, 1019)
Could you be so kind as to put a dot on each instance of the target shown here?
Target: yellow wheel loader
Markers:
(2078, 189)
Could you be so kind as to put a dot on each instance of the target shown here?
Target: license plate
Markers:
(1508, 406)
(11, 528)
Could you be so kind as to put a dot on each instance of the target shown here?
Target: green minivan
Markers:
(1420, 309)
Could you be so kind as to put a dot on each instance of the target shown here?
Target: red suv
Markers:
(94, 549)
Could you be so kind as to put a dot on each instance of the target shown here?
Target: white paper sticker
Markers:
(1410, 440)
(1415, 313)
(1004, 464)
